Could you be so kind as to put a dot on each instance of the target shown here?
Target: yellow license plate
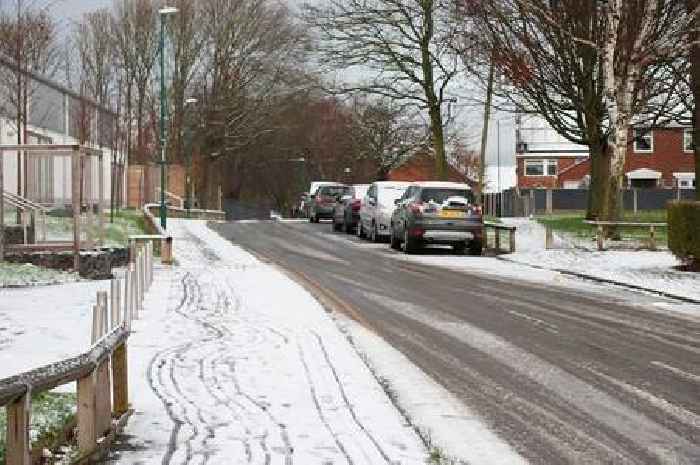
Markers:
(452, 214)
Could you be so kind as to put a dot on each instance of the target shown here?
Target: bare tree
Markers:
(405, 45)
(27, 45)
(384, 135)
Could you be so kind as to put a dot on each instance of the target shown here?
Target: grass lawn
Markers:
(51, 411)
(572, 223)
(126, 222)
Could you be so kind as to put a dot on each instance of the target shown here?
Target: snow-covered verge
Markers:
(443, 420)
(45, 324)
(26, 274)
(654, 271)
(232, 362)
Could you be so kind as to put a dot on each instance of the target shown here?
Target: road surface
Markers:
(563, 374)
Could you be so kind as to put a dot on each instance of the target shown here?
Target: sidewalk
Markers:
(232, 362)
(642, 269)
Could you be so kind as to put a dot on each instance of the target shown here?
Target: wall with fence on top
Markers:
(525, 202)
(101, 373)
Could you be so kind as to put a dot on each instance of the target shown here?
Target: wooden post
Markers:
(117, 302)
(90, 238)
(548, 237)
(166, 251)
(100, 199)
(533, 204)
(120, 377)
(76, 172)
(652, 237)
(103, 300)
(512, 240)
(87, 431)
(600, 235)
(113, 305)
(128, 299)
(549, 201)
(498, 239)
(95, 335)
(103, 399)
(2, 208)
(634, 200)
(18, 444)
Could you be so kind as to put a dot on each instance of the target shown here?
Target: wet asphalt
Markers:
(566, 374)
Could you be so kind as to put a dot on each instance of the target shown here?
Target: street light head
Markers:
(168, 10)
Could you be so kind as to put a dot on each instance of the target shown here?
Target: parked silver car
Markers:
(376, 208)
(437, 213)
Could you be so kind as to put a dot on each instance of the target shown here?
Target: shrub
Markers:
(684, 232)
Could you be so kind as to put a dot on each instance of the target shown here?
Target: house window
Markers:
(540, 167)
(643, 140)
(688, 140)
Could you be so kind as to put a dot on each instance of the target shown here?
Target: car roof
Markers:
(392, 183)
(442, 184)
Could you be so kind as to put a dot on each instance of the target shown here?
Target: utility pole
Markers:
(485, 132)
(163, 12)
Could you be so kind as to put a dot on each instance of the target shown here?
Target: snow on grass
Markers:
(45, 324)
(26, 274)
(443, 420)
(126, 222)
(653, 270)
(234, 361)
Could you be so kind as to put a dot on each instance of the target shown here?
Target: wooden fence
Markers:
(101, 373)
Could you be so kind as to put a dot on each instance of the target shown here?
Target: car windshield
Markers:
(360, 190)
(332, 191)
(439, 195)
(387, 194)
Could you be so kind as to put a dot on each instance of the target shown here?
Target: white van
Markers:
(376, 209)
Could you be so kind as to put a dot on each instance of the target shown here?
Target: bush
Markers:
(684, 232)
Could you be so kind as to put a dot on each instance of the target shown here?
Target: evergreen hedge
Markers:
(684, 232)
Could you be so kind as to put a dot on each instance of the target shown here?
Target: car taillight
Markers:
(355, 204)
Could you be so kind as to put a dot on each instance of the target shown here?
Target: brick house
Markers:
(421, 167)
(658, 157)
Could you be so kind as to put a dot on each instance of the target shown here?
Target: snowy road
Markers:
(234, 363)
(565, 372)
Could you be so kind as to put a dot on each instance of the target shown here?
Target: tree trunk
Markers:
(438, 142)
(600, 175)
(695, 84)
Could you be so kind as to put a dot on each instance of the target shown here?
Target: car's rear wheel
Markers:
(336, 226)
(347, 226)
(375, 233)
(410, 245)
(475, 247)
(395, 242)
(360, 230)
(459, 248)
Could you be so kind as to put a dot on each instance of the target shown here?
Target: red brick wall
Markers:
(668, 157)
(421, 168)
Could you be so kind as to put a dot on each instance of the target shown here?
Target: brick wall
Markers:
(421, 168)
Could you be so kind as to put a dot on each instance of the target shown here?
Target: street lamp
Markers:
(163, 12)
(188, 175)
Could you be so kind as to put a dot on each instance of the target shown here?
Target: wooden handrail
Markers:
(66, 371)
(624, 223)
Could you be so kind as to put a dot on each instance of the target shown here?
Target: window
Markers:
(643, 140)
(540, 167)
(688, 141)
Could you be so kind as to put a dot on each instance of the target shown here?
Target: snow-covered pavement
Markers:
(650, 270)
(232, 362)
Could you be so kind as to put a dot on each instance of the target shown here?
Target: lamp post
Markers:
(188, 174)
(163, 12)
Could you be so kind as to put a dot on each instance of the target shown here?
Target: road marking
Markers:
(679, 413)
(678, 372)
(536, 321)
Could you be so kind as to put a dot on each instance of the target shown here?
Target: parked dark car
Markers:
(437, 213)
(322, 203)
(347, 210)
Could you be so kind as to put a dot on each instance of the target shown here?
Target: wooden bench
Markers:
(600, 230)
(497, 229)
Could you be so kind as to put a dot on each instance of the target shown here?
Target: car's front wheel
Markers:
(360, 230)
(395, 242)
(410, 245)
(459, 248)
(475, 247)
